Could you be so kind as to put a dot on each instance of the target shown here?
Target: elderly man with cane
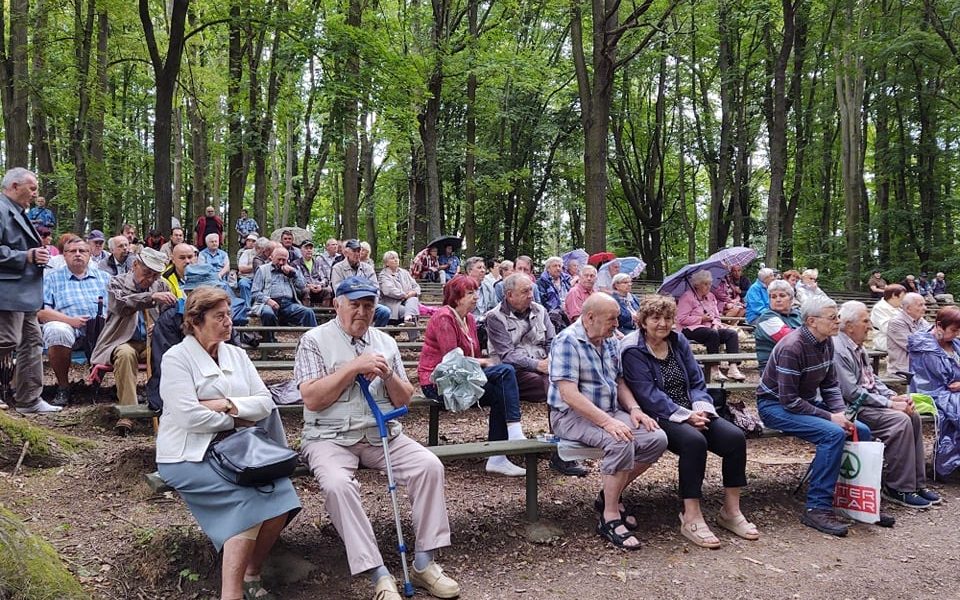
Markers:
(340, 434)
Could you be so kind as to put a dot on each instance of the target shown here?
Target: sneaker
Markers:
(38, 407)
(386, 589)
(929, 495)
(908, 499)
(716, 375)
(62, 398)
(824, 521)
(435, 581)
(502, 466)
(570, 468)
(733, 372)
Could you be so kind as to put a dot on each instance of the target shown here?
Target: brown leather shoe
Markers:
(123, 427)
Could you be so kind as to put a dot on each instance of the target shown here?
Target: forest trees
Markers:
(820, 132)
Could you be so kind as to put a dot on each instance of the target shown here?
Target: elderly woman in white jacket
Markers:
(398, 290)
(209, 387)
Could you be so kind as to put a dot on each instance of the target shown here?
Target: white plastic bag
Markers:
(857, 494)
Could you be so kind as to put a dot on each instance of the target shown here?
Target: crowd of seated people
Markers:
(618, 373)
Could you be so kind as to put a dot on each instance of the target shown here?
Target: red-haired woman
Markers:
(452, 326)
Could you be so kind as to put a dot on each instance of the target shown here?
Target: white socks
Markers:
(515, 431)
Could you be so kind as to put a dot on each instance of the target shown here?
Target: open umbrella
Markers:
(630, 265)
(601, 257)
(580, 255)
(300, 235)
(446, 240)
(678, 283)
(736, 256)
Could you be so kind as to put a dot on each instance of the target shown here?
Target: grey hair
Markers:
(552, 261)
(702, 276)
(262, 243)
(110, 241)
(366, 246)
(588, 269)
(510, 283)
(211, 235)
(910, 299)
(814, 306)
(506, 264)
(810, 273)
(16, 175)
(849, 311)
(470, 262)
(390, 254)
(780, 285)
(765, 273)
(620, 277)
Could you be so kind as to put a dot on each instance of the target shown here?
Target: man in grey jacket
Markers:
(908, 320)
(22, 260)
(891, 417)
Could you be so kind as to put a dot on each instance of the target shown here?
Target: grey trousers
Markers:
(903, 455)
(645, 448)
(20, 331)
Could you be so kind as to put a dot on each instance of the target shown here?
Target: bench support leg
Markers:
(533, 507)
(433, 429)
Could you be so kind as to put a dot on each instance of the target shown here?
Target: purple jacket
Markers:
(933, 370)
(550, 297)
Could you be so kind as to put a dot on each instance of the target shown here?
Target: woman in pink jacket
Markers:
(698, 319)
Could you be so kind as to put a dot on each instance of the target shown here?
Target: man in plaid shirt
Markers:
(70, 298)
(800, 396)
(590, 404)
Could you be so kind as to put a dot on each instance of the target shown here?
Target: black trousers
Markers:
(712, 338)
(722, 437)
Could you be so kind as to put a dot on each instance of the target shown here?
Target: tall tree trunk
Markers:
(15, 83)
(165, 72)
(83, 20)
(470, 164)
(236, 162)
(350, 115)
(42, 154)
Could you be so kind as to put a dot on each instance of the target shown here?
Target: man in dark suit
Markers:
(22, 260)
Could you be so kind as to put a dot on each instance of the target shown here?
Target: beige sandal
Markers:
(738, 525)
(699, 534)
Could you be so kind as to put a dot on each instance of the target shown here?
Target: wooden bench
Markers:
(531, 450)
(705, 359)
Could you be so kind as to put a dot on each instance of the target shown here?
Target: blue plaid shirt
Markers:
(246, 226)
(595, 370)
(75, 296)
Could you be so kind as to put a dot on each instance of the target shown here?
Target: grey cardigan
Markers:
(848, 361)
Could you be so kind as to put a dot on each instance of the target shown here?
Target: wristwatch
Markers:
(230, 405)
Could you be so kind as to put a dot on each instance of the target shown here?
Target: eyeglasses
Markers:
(828, 317)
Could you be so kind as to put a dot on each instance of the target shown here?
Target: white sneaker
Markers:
(40, 406)
(716, 375)
(435, 581)
(734, 373)
(502, 466)
(386, 589)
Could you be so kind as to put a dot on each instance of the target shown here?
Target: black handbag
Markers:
(736, 412)
(250, 457)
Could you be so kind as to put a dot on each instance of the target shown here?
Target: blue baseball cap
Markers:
(357, 287)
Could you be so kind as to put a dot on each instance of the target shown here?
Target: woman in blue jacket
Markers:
(666, 380)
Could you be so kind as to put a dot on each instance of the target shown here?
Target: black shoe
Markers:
(929, 495)
(62, 398)
(567, 467)
(908, 499)
(886, 520)
(824, 521)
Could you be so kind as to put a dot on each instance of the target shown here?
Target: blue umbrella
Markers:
(580, 255)
(630, 265)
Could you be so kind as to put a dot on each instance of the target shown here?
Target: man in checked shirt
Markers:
(340, 434)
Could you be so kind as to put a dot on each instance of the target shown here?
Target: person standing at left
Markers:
(22, 260)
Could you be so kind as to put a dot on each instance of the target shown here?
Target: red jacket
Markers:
(443, 334)
(201, 226)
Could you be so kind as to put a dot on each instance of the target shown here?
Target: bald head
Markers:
(279, 256)
(181, 256)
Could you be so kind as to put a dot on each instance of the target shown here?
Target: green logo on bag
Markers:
(849, 465)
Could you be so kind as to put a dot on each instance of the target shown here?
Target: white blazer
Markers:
(189, 374)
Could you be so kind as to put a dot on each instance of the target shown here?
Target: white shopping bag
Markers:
(857, 494)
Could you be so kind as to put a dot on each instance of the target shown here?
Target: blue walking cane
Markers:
(382, 419)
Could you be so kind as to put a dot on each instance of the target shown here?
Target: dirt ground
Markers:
(124, 542)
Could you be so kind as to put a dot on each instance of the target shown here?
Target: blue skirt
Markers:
(224, 509)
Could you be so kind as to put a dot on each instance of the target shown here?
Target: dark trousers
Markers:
(712, 338)
(690, 444)
(532, 385)
(500, 395)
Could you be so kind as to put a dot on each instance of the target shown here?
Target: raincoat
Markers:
(934, 370)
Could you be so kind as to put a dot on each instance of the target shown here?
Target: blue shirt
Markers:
(75, 296)
(42, 217)
(453, 260)
(246, 226)
(573, 357)
(758, 300)
(218, 259)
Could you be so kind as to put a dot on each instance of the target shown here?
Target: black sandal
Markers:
(598, 505)
(608, 531)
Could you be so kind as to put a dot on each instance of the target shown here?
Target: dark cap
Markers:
(307, 243)
(353, 244)
(96, 236)
(356, 287)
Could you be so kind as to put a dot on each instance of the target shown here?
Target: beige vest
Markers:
(349, 419)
